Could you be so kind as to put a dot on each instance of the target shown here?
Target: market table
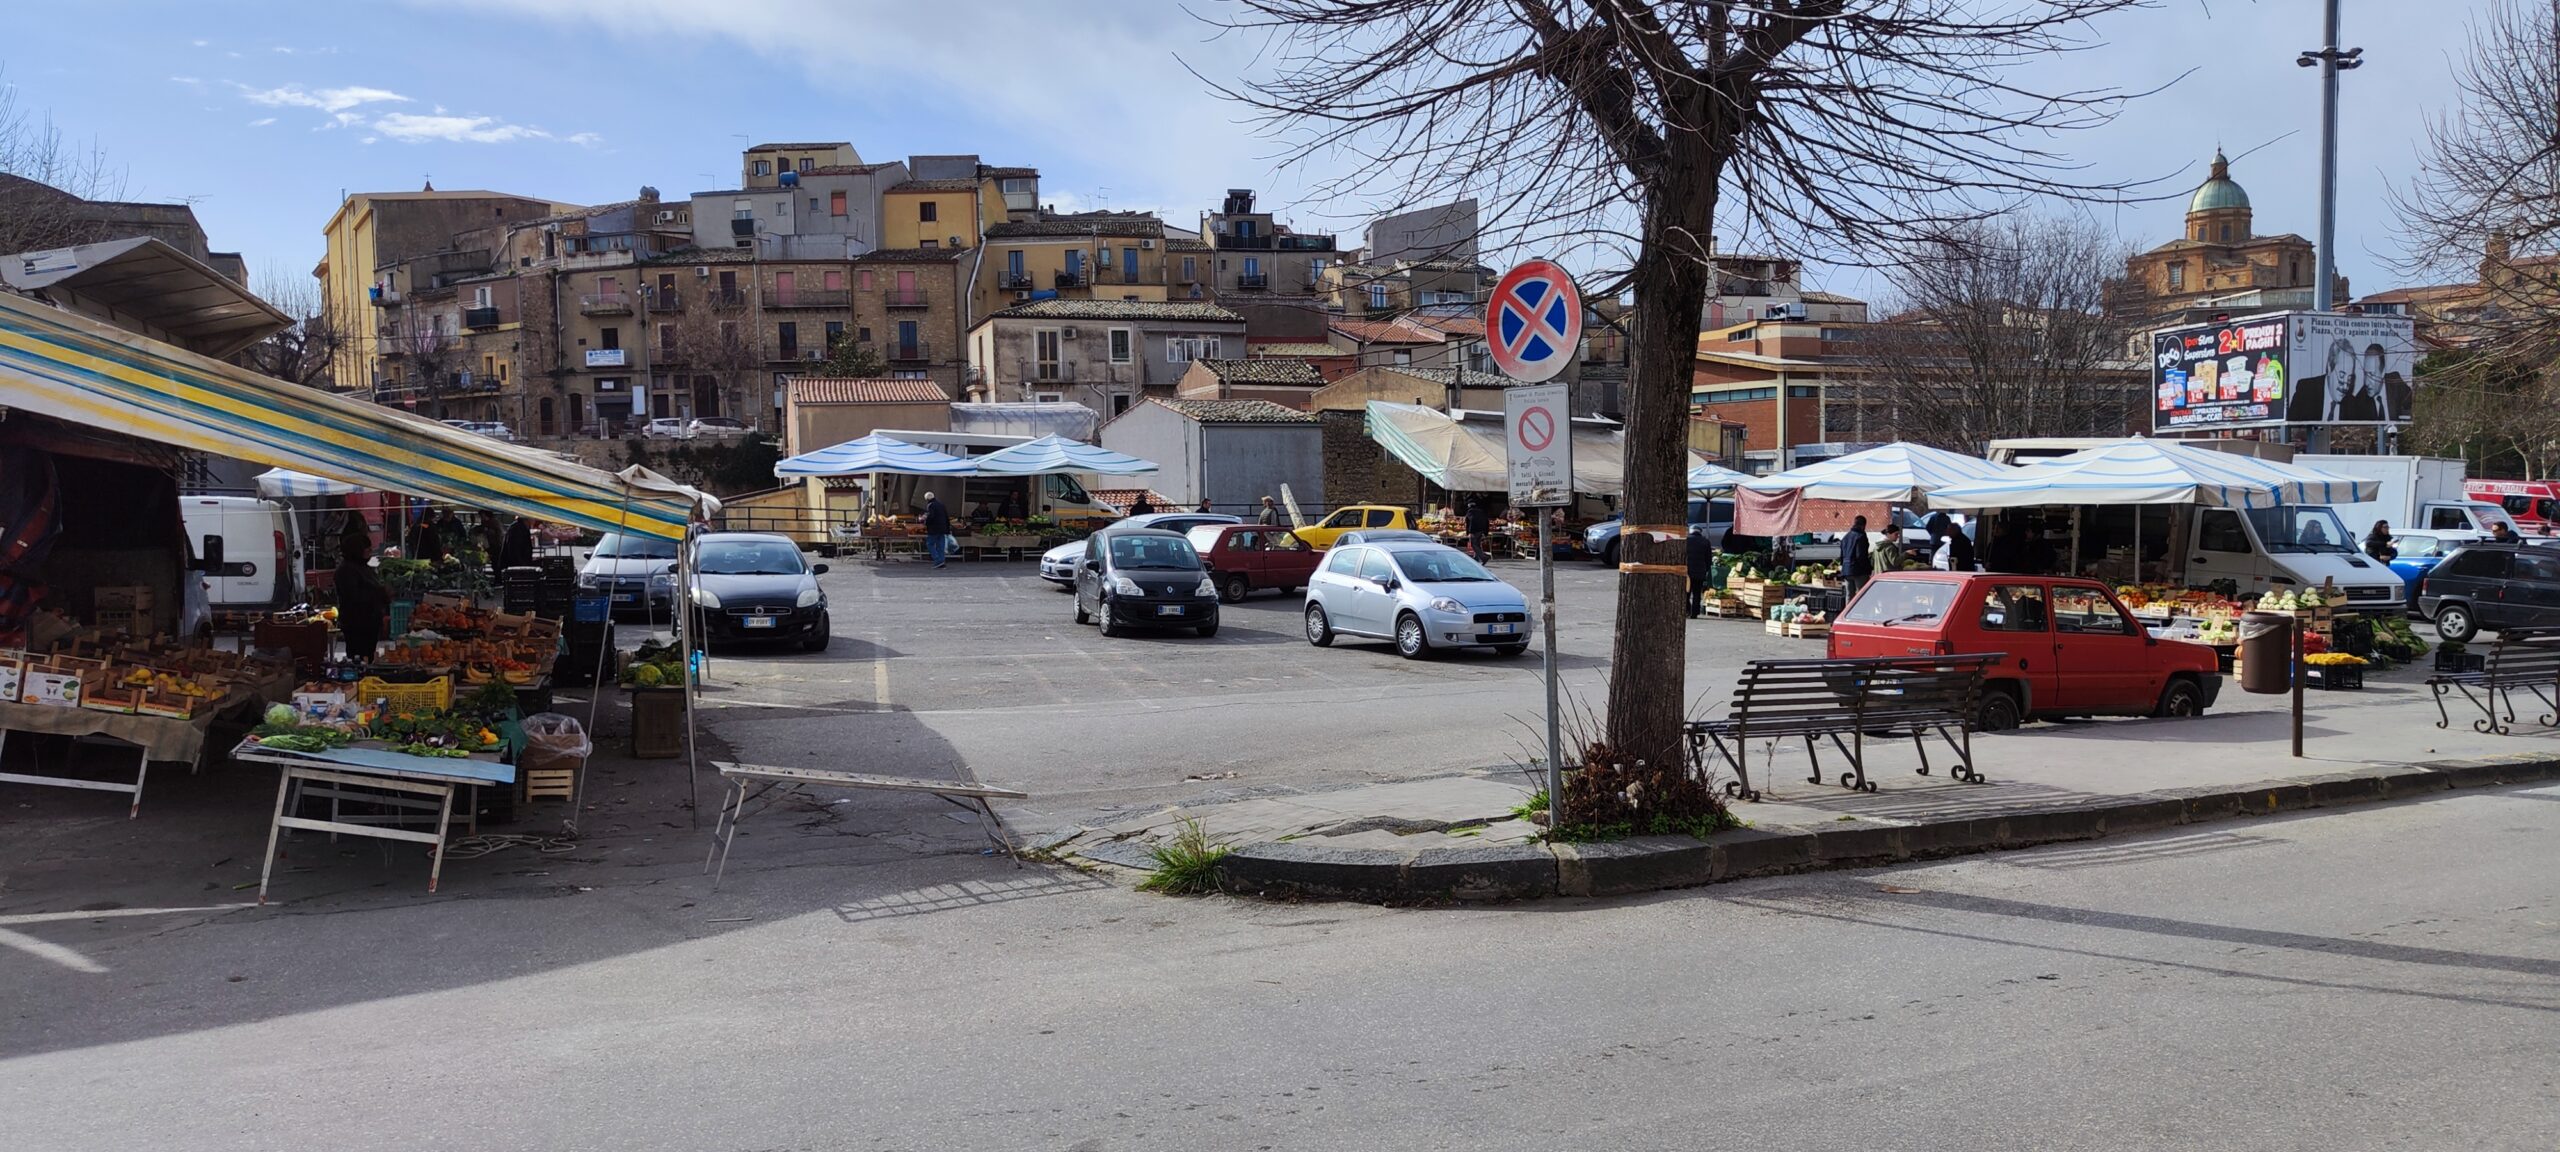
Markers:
(163, 738)
(375, 775)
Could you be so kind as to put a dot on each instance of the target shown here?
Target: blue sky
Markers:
(263, 113)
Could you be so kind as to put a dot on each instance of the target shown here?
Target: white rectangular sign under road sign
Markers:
(1537, 440)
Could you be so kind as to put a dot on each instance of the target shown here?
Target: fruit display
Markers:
(2334, 660)
(448, 619)
(2395, 639)
(1797, 611)
(516, 660)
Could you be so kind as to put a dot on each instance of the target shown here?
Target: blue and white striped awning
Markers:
(1058, 454)
(1896, 473)
(875, 453)
(2140, 471)
(1709, 476)
(287, 482)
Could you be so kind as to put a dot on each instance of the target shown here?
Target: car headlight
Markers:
(703, 598)
(1206, 587)
(1445, 604)
(663, 580)
(590, 579)
(809, 597)
(1124, 586)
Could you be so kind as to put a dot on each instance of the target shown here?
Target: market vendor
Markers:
(1013, 508)
(981, 516)
(362, 599)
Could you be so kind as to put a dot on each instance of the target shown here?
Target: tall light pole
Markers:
(2330, 60)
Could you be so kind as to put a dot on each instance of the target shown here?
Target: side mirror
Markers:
(211, 562)
(1093, 565)
(818, 569)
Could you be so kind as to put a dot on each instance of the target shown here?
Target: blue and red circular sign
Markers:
(1533, 323)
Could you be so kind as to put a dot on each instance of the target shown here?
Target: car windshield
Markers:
(1153, 552)
(1440, 566)
(750, 558)
(2301, 528)
(1903, 603)
(2410, 546)
(616, 546)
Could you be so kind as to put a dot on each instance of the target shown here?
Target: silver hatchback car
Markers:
(1420, 594)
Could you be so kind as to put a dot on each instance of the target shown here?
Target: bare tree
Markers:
(715, 343)
(44, 180)
(1632, 135)
(2486, 203)
(302, 354)
(2005, 330)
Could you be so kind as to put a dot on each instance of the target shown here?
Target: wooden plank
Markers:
(866, 780)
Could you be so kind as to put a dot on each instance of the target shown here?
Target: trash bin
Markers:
(2266, 652)
(555, 748)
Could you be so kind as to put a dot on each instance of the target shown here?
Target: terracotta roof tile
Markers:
(1235, 411)
(1384, 332)
(1113, 224)
(1118, 310)
(1283, 373)
(1294, 350)
(838, 390)
(935, 186)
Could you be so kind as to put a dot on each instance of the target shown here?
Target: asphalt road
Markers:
(2383, 977)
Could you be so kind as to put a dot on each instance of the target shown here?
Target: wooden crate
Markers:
(550, 783)
(657, 723)
(1724, 607)
(1798, 629)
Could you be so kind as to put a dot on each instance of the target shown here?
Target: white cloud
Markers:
(324, 99)
(262, 121)
(413, 128)
(282, 50)
(584, 139)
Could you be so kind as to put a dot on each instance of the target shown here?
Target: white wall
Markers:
(1172, 440)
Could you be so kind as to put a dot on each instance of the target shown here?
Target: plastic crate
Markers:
(436, 694)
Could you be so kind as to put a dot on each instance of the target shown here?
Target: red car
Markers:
(2067, 647)
(1243, 557)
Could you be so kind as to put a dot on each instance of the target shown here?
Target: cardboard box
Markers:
(50, 688)
(124, 597)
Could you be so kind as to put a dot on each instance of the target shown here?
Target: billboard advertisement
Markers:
(2283, 368)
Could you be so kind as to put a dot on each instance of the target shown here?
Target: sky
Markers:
(263, 114)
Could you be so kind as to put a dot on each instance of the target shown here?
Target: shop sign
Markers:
(2283, 368)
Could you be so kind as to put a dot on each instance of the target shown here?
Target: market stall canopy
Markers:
(639, 479)
(2142, 471)
(1058, 454)
(1896, 473)
(875, 453)
(150, 280)
(287, 482)
(1464, 454)
(1706, 476)
(76, 369)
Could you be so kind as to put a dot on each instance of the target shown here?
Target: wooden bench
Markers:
(742, 777)
(1846, 701)
(2515, 660)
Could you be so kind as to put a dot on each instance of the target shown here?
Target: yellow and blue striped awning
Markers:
(72, 368)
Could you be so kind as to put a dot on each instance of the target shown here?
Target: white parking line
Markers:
(68, 958)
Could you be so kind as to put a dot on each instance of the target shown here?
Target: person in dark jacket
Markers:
(518, 551)
(362, 599)
(1479, 529)
(937, 529)
(1140, 506)
(1957, 545)
(1702, 566)
(2378, 545)
(1855, 564)
(1012, 508)
(425, 543)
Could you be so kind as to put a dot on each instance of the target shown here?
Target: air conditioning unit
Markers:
(1067, 334)
(1022, 297)
(1147, 244)
(666, 216)
(701, 272)
(953, 242)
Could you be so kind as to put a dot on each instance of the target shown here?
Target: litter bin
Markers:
(2266, 652)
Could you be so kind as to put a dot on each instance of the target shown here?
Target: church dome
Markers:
(2218, 191)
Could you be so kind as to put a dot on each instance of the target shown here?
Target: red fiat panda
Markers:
(2067, 647)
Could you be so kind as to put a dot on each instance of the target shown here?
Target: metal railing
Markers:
(1014, 280)
(668, 301)
(1063, 372)
(910, 298)
(1253, 280)
(604, 304)
(727, 298)
(908, 353)
(810, 298)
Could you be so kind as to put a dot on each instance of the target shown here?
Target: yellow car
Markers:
(1353, 518)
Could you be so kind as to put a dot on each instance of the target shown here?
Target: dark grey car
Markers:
(1144, 578)
(2493, 587)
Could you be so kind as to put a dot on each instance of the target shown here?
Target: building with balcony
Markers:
(1078, 256)
(911, 306)
(371, 231)
(1257, 256)
(764, 165)
(1104, 354)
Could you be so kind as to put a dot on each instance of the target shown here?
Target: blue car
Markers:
(2420, 552)
(1600, 541)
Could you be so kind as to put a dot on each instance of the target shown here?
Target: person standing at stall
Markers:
(518, 552)
(1012, 509)
(362, 599)
(937, 528)
(1479, 529)
(1702, 565)
(2007, 551)
(425, 543)
(1856, 563)
(2378, 545)
(1954, 552)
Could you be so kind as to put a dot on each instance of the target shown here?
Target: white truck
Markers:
(2422, 493)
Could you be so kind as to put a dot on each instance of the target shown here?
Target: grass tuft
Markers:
(1187, 864)
(1535, 805)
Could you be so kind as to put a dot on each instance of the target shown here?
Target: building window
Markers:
(927, 212)
(1120, 345)
(1119, 403)
(807, 163)
(480, 297)
(835, 335)
(910, 340)
(833, 279)
(1044, 353)
(1190, 270)
(1377, 297)
(1836, 334)
(862, 335)
(2177, 277)
(666, 340)
(609, 337)
(1739, 335)
(787, 334)
(835, 203)
(764, 167)
(862, 280)
(2226, 233)
(1404, 357)
(929, 244)
(813, 205)
(1128, 265)
(1013, 264)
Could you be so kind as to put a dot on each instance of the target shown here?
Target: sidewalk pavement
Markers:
(1455, 837)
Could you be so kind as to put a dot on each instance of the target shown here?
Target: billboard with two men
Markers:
(2283, 368)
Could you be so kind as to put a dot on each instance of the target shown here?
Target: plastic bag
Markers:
(554, 740)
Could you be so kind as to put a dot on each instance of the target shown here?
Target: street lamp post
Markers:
(2330, 60)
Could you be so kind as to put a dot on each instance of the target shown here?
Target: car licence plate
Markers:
(625, 597)
(759, 622)
(1168, 609)
(1502, 629)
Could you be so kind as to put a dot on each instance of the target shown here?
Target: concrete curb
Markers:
(1300, 869)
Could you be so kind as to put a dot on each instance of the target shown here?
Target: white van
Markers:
(261, 551)
(2286, 549)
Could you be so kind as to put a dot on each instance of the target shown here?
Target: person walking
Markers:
(1270, 517)
(1855, 562)
(1140, 507)
(1204, 508)
(2501, 533)
(937, 529)
(362, 599)
(1479, 529)
(2378, 545)
(1702, 566)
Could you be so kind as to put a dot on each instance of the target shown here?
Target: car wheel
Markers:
(1103, 615)
(818, 643)
(1207, 630)
(1609, 554)
(2181, 698)
(1319, 627)
(1233, 588)
(1411, 642)
(1082, 616)
(2454, 623)
(1997, 711)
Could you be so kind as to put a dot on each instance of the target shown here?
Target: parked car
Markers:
(1381, 535)
(2066, 647)
(262, 556)
(667, 428)
(2492, 587)
(1144, 578)
(1423, 596)
(1243, 557)
(2420, 552)
(714, 426)
(1058, 565)
(1600, 541)
(636, 573)
(1322, 534)
(754, 586)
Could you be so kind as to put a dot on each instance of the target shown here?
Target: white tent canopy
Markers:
(1704, 477)
(2143, 471)
(1054, 454)
(1466, 455)
(874, 453)
(287, 482)
(1896, 473)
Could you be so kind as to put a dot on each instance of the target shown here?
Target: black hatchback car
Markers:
(2497, 587)
(754, 587)
(1144, 578)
